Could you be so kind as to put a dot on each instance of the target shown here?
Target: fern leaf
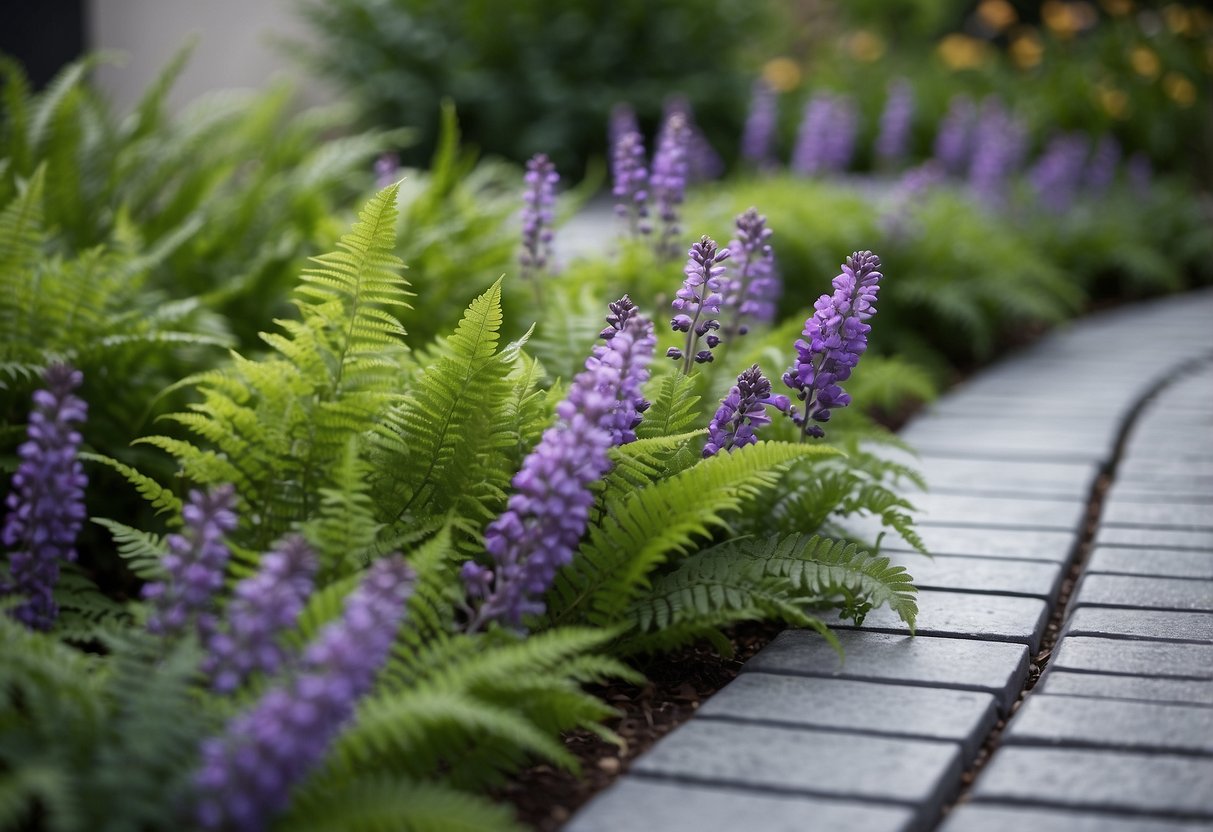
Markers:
(675, 408)
(159, 497)
(381, 804)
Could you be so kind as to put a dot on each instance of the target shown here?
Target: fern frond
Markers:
(142, 551)
(641, 529)
(375, 803)
(159, 497)
(674, 409)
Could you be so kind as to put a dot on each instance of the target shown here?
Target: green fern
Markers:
(376, 803)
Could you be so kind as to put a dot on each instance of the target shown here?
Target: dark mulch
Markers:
(546, 797)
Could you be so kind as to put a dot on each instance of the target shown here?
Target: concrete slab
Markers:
(1037, 579)
(1193, 539)
(1159, 515)
(1155, 625)
(634, 804)
(1163, 563)
(978, 817)
(1144, 658)
(1135, 592)
(995, 667)
(1139, 688)
(1078, 722)
(867, 707)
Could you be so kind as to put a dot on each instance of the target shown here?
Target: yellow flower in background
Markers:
(1117, 8)
(1209, 56)
(781, 74)
(1180, 89)
(1178, 19)
(1067, 19)
(866, 46)
(1144, 62)
(997, 14)
(962, 52)
(1026, 49)
(1113, 101)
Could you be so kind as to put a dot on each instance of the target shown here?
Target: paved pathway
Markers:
(1117, 735)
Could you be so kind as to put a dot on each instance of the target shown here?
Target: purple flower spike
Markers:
(631, 189)
(835, 336)
(758, 140)
(248, 772)
(826, 140)
(697, 303)
(537, 216)
(750, 295)
(893, 143)
(954, 141)
(1057, 175)
(703, 162)
(1000, 141)
(742, 412)
(546, 517)
(1101, 170)
(195, 564)
(265, 605)
(46, 503)
(623, 121)
(669, 181)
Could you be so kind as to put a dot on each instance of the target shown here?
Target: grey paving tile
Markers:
(1141, 688)
(637, 805)
(869, 707)
(1020, 544)
(922, 773)
(965, 510)
(1148, 467)
(1109, 781)
(1146, 658)
(994, 575)
(994, 449)
(1154, 538)
(1138, 592)
(995, 667)
(1077, 722)
(978, 817)
(1166, 563)
(967, 615)
(1156, 625)
(1134, 492)
(1159, 515)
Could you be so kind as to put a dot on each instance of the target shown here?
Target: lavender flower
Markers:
(669, 180)
(1057, 175)
(826, 140)
(893, 143)
(46, 503)
(742, 412)
(546, 517)
(387, 169)
(623, 121)
(194, 564)
(751, 293)
(697, 303)
(954, 141)
(631, 189)
(896, 218)
(758, 140)
(537, 216)
(264, 606)
(836, 338)
(248, 772)
(1000, 141)
(703, 162)
(1101, 170)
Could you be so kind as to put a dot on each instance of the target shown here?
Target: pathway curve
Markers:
(1117, 735)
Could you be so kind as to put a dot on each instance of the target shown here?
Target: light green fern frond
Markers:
(376, 803)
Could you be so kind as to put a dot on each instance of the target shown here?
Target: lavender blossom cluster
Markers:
(954, 139)
(46, 502)
(826, 140)
(999, 146)
(758, 138)
(248, 772)
(548, 513)
(631, 183)
(742, 412)
(539, 202)
(668, 181)
(751, 292)
(893, 141)
(1057, 175)
(697, 304)
(835, 337)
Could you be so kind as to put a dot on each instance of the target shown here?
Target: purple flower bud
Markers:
(46, 503)
(758, 140)
(1101, 170)
(549, 511)
(631, 189)
(539, 200)
(669, 181)
(697, 304)
(248, 772)
(387, 170)
(703, 162)
(750, 294)
(623, 121)
(954, 141)
(195, 562)
(893, 143)
(1058, 172)
(742, 412)
(835, 337)
(263, 607)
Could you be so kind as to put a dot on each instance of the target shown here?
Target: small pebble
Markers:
(559, 814)
(609, 764)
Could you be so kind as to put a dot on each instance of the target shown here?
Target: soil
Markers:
(546, 797)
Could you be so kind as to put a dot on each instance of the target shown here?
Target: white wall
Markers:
(236, 49)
